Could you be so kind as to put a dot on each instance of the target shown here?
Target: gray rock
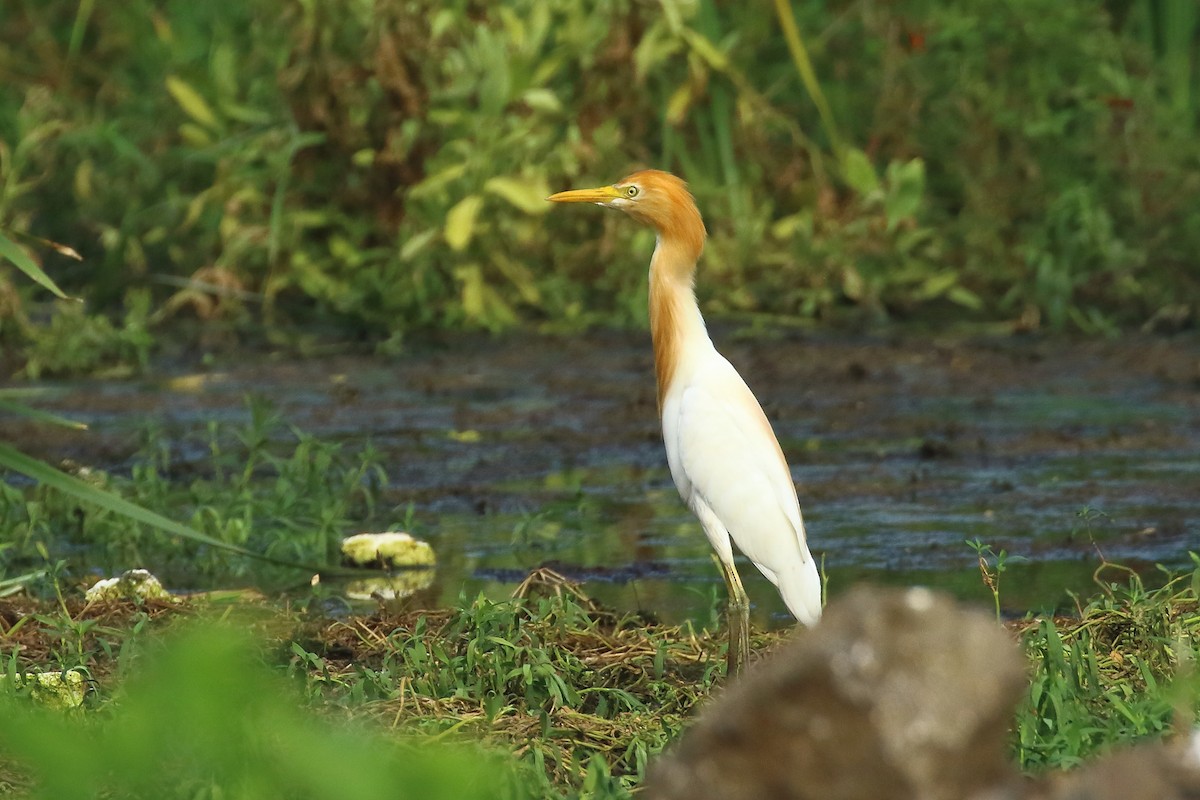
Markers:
(896, 694)
(1147, 772)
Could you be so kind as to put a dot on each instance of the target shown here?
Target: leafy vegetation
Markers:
(381, 169)
(262, 490)
(1123, 670)
(444, 700)
(244, 737)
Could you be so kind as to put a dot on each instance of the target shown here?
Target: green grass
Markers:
(263, 487)
(1108, 676)
(204, 717)
(546, 696)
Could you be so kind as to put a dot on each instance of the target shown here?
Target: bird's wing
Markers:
(728, 455)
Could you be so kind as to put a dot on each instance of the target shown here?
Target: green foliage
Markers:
(383, 166)
(291, 501)
(538, 698)
(203, 718)
(1057, 175)
(79, 343)
(12, 252)
(991, 566)
(591, 697)
(1120, 673)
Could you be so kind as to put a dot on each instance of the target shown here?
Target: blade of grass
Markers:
(1179, 24)
(58, 247)
(13, 585)
(13, 252)
(83, 13)
(787, 21)
(36, 414)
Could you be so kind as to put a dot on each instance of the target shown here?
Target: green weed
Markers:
(78, 343)
(265, 487)
(544, 697)
(1121, 672)
(383, 169)
(991, 566)
(587, 696)
(244, 736)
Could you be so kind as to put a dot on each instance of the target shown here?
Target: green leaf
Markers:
(527, 194)
(521, 278)
(191, 102)
(964, 297)
(858, 172)
(13, 585)
(416, 243)
(707, 51)
(543, 100)
(906, 185)
(22, 410)
(17, 461)
(436, 182)
(13, 252)
(471, 278)
(678, 104)
(808, 76)
(937, 285)
(460, 222)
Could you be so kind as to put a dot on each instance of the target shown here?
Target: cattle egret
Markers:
(723, 455)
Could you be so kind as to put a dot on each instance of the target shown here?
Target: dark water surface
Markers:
(520, 451)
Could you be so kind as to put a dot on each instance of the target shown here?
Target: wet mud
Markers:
(518, 451)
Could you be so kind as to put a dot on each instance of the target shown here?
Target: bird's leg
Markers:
(738, 620)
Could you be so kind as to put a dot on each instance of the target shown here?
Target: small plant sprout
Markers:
(991, 566)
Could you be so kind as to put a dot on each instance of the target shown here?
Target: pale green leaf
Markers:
(964, 297)
(195, 135)
(678, 104)
(521, 278)
(416, 243)
(853, 285)
(460, 222)
(906, 186)
(191, 102)
(858, 172)
(436, 181)
(471, 278)
(937, 285)
(527, 194)
(13, 585)
(542, 100)
(708, 51)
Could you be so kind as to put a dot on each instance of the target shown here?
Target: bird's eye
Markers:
(631, 192)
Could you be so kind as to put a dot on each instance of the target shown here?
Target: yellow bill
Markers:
(601, 194)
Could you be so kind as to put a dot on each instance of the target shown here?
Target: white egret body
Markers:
(723, 455)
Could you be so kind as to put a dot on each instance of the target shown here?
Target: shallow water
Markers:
(520, 451)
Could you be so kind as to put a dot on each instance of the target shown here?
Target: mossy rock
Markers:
(391, 549)
(134, 584)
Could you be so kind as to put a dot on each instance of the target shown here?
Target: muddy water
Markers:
(521, 451)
